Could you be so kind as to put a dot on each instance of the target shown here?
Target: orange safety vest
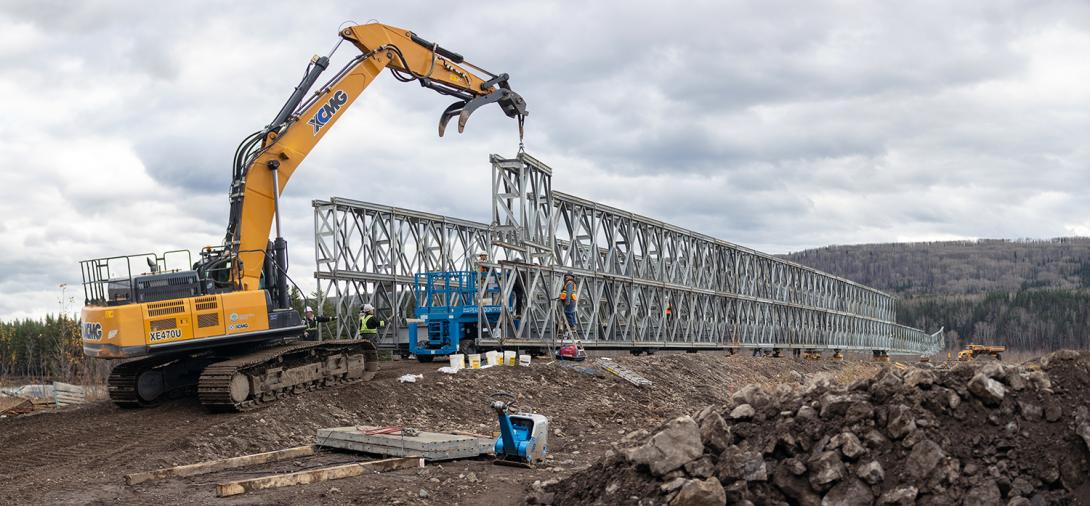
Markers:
(564, 291)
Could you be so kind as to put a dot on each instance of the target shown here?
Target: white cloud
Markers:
(778, 125)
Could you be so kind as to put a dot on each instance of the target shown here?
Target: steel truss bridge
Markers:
(643, 284)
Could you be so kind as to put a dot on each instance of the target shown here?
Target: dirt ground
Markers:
(80, 455)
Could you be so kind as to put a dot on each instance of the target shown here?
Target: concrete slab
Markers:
(430, 445)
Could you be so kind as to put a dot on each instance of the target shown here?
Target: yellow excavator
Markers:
(224, 323)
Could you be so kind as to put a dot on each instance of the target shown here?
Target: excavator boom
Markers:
(286, 143)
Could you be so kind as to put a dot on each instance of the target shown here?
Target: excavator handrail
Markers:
(94, 293)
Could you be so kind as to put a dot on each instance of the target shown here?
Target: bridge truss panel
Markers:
(625, 312)
(368, 254)
(642, 282)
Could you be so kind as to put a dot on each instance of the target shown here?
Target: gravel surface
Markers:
(80, 456)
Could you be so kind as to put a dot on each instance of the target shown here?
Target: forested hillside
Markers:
(48, 348)
(1029, 294)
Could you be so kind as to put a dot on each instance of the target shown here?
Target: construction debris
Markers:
(29, 391)
(11, 405)
(991, 434)
(28, 398)
(65, 394)
(625, 373)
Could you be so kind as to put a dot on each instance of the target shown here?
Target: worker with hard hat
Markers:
(567, 298)
(312, 322)
(369, 323)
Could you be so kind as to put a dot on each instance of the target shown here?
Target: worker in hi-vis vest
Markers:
(369, 323)
(567, 298)
(312, 322)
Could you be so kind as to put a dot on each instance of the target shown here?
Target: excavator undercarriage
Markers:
(247, 381)
(251, 380)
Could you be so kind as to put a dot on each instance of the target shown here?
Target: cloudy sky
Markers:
(776, 125)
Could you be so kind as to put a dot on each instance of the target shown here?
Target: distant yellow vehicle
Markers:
(973, 350)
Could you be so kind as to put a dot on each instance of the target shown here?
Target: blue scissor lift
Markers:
(446, 302)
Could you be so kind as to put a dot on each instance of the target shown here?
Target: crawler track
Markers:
(255, 379)
(123, 378)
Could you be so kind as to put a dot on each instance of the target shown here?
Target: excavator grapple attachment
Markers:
(512, 104)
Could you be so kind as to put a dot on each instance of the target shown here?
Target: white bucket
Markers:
(474, 361)
(510, 358)
(491, 358)
(457, 361)
(524, 360)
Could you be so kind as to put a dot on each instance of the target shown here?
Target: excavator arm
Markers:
(268, 158)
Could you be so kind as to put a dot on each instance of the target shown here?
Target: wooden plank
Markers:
(212, 466)
(316, 475)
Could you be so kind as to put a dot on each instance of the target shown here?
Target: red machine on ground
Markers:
(572, 351)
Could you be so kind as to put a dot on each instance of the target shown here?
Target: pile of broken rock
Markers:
(976, 434)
